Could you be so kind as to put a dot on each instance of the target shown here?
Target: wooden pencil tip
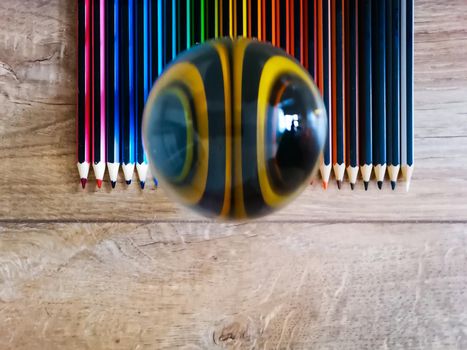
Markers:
(83, 183)
(113, 183)
(142, 183)
(99, 183)
(366, 183)
(393, 185)
(380, 184)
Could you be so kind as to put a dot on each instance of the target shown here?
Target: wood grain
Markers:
(254, 286)
(129, 269)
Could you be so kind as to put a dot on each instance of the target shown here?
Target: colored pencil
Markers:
(365, 91)
(113, 88)
(339, 91)
(352, 104)
(326, 163)
(379, 88)
(98, 94)
(393, 91)
(127, 89)
(407, 124)
(83, 115)
(142, 83)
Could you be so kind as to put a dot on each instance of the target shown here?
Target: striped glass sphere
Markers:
(234, 128)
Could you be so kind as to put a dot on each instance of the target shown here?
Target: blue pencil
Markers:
(143, 83)
(379, 88)
(113, 89)
(407, 105)
(393, 90)
(365, 91)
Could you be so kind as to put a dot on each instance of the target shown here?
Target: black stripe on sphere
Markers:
(254, 59)
(210, 67)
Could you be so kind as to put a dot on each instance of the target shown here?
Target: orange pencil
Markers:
(273, 22)
(320, 70)
(304, 33)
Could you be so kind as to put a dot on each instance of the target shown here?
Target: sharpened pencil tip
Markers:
(156, 182)
(142, 183)
(325, 185)
(128, 182)
(366, 183)
(393, 185)
(99, 183)
(380, 184)
(83, 183)
(113, 183)
(352, 186)
(339, 184)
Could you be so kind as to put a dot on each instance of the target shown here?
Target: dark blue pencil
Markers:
(379, 89)
(353, 101)
(113, 88)
(393, 90)
(339, 117)
(326, 165)
(407, 86)
(365, 91)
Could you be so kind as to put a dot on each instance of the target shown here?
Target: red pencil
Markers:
(83, 117)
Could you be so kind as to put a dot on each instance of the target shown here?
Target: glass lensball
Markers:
(234, 128)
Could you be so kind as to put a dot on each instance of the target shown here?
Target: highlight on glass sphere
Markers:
(234, 128)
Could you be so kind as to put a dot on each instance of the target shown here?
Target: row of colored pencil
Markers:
(360, 53)
(115, 75)
(364, 70)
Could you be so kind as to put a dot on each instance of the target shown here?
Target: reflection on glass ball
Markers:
(234, 128)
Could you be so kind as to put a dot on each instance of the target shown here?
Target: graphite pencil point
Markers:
(339, 184)
(365, 183)
(352, 186)
(83, 183)
(393, 185)
(113, 183)
(380, 184)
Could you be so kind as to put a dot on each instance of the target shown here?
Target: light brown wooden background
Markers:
(127, 269)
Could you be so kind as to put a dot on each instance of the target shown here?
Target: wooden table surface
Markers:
(127, 269)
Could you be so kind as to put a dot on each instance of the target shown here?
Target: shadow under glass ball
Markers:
(234, 129)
